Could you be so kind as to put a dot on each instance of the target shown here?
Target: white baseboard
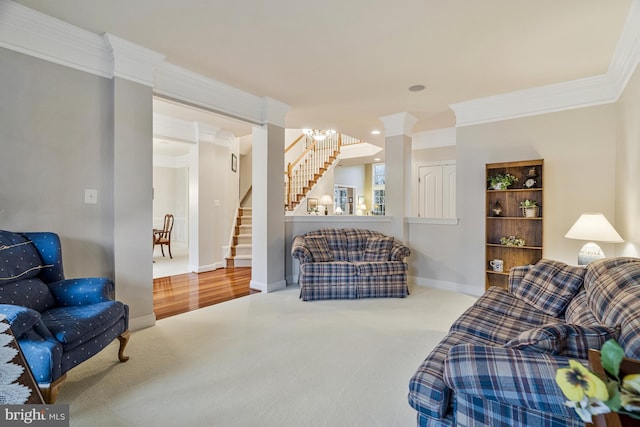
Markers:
(142, 322)
(205, 268)
(268, 287)
(447, 286)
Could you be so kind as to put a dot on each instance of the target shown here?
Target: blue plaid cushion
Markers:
(319, 248)
(511, 377)
(378, 249)
(550, 285)
(578, 311)
(613, 289)
(564, 339)
(336, 239)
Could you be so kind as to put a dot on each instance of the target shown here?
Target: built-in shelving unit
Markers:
(511, 221)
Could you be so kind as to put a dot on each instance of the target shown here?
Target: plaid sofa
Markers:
(497, 365)
(338, 263)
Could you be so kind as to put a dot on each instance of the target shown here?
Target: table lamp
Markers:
(326, 200)
(592, 227)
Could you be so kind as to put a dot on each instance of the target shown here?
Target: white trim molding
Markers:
(172, 129)
(36, 34)
(597, 90)
(177, 83)
(133, 62)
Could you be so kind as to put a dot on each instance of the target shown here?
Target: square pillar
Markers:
(398, 128)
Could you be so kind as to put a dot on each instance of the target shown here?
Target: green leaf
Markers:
(611, 356)
(614, 396)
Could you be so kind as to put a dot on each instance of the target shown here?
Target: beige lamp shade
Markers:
(593, 227)
(326, 200)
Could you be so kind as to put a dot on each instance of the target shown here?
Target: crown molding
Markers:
(528, 102)
(274, 111)
(603, 89)
(172, 129)
(131, 61)
(36, 34)
(398, 124)
(177, 83)
(626, 57)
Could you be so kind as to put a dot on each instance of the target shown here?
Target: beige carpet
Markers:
(268, 360)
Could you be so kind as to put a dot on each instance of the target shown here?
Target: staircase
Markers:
(241, 247)
(305, 171)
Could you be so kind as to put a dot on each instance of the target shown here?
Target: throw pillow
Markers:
(19, 258)
(564, 339)
(378, 249)
(550, 285)
(319, 248)
(32, 293)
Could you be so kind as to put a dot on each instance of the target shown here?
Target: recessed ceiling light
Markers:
(416, 88)
(377, 159)
(375, 132)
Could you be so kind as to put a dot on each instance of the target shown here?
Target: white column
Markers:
(268, 252)
(398, 128)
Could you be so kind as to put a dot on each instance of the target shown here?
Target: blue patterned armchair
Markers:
(59, 323)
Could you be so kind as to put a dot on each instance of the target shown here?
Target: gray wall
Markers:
(63, 131)
(55, 137)
(578, 148)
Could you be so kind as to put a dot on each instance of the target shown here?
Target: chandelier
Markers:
(318, 135)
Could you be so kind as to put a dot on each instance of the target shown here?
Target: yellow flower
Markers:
(576, 382)
(631, 383)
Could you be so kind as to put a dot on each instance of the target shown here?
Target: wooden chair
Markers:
(162, 236)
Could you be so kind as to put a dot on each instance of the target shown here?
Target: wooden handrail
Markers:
(294, 143)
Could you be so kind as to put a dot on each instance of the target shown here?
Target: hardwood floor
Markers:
(185, 292)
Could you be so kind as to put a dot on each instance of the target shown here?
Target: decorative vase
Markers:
(497, 209)
(530, 212)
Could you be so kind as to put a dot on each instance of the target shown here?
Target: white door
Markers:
(437, 191)
(448, 191)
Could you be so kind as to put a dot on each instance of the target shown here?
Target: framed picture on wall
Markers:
(234, 162)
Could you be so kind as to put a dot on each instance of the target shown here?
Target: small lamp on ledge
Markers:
(326, 200)
(592, 227)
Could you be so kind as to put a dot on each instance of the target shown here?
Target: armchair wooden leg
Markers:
(124, 339)
(50, 392)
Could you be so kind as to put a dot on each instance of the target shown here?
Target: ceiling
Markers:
(343, 64)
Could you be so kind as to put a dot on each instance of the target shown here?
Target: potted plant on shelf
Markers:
(501, 181)
(529, 208)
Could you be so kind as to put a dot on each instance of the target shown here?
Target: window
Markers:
(378, 189)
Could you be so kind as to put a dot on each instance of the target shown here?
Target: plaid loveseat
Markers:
(338, 263)
(497, 365)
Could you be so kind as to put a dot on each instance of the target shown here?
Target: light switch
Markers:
(91, 196)
(216, 202)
